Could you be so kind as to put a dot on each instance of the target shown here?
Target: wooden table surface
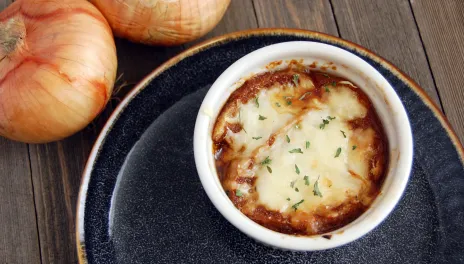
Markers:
(40, 183)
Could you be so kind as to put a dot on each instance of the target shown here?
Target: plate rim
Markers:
(85, 178)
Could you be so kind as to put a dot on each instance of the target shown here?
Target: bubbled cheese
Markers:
(319, 161)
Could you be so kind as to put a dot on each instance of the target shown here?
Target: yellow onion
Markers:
(57, 68)
(162, 22)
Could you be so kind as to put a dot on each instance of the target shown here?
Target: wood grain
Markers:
(5, 3)
(19, 241)
(18, 230)
(385, 27)
(388, 29)
(56, 173)
(57, 167)
(441, 25)
(240, 16)
(307, 14)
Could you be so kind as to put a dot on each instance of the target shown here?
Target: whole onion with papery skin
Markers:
(57, 68)
(162, 22)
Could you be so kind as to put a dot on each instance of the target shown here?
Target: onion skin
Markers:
(162, 22)
(57, 68)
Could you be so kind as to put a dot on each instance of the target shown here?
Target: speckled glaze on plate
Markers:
(141, 200)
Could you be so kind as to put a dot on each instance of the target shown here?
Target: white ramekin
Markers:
(385, 100)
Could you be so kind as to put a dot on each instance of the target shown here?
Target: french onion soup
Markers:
(300, 151)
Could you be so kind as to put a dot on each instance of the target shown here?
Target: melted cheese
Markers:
(316, 162)
(263, 116)
(338, 178)
(256, 131)
(285, 154)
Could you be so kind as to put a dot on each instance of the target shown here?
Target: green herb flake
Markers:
(297, 170)
(288, 138)
(339, 150)
(306, 179)
(266, 161)
(257, 102)
(277, 104)
(297, 150)
(316, 190)
(288, 199)
(238, 193)
(327, 89)
(288, 99)
(297, 190)
(343, 132)
(304, 95)
(326, 75)
(256, 138)
(334, 83)
(269, 169)
(295, 206)
(297, 126)
(295, 79)
(262, 117)
(324, 122)
(354, 147)
(292, 183)
(307, 144)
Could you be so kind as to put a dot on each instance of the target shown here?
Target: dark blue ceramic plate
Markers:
(141, 200)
